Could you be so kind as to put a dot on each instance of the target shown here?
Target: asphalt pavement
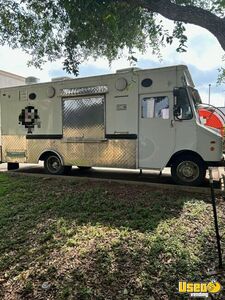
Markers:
(147, 176)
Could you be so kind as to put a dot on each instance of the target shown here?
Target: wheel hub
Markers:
(188, 171)
(55, 165)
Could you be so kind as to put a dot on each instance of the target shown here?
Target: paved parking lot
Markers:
(109, 174)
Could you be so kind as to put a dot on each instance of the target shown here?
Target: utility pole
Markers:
(209, 92)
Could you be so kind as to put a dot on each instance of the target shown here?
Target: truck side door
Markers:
(156, 130)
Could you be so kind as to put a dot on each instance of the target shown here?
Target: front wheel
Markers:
(188, 170)
(53, 165)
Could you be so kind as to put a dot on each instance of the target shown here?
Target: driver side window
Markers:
(155, 107)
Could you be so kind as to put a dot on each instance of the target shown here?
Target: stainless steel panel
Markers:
(100, 89)
(83, 118)
(110, 153)
(14, 144)
(113, 153)
(36, 147)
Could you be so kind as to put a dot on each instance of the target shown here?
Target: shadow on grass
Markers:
(98, 241)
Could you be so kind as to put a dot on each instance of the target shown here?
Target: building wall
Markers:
(8, 79)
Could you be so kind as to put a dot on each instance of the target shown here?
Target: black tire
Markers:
(67, 170)
(188, 170)
(12, 166)
(53, 165)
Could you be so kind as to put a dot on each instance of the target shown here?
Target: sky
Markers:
(204, 57)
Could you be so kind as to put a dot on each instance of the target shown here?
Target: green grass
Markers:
(63, 239)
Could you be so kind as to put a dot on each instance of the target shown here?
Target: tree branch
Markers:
(187, 14)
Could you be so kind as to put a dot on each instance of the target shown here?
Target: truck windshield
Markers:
(195, 97)
(183, 109)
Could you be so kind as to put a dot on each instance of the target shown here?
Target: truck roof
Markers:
(97, 77)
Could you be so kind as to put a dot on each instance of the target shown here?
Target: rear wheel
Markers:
(53, 165)
(188, 170)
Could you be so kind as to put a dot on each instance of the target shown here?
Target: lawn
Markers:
(78, 239)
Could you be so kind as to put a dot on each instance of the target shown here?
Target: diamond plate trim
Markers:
(14, 144)
(110, 153)
(116, 153)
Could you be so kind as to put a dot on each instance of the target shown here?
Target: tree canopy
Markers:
(77, 29)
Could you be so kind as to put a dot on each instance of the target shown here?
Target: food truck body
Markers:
(136, 119)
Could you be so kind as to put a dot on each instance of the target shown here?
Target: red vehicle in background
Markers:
(212, 117)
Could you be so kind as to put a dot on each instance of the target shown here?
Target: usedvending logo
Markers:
(29, 118)
(199, 289)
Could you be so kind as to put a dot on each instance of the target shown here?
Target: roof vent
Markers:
(32, 80)
(127, 70)
(61, 78)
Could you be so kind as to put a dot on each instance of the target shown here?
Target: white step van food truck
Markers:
(136, 119)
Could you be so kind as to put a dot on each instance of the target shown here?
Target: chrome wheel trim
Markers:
(188, 171)
(53, 164)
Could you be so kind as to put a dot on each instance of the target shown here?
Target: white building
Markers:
(8, 79)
